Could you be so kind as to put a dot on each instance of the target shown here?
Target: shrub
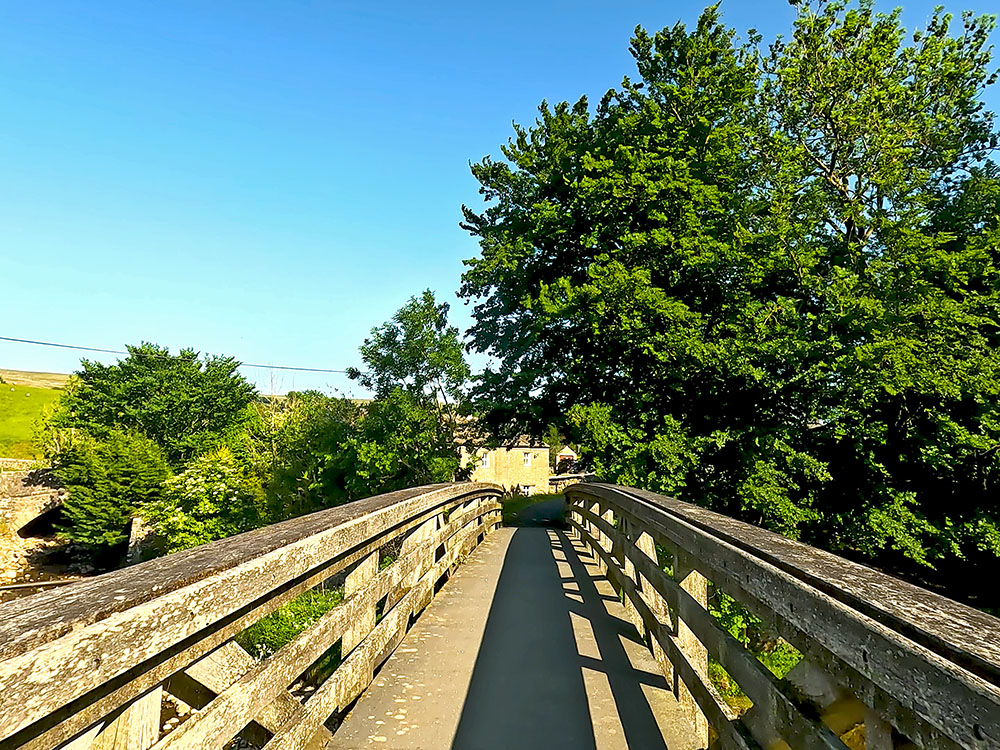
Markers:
(107, 482)
(269, 634)
(184, 402)
(214, 497)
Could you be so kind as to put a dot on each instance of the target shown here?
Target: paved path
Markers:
(526, 647)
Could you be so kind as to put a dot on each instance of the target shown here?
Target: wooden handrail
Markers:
(914, 661)
(86, 658)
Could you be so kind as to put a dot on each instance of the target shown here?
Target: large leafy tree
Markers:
(183, 402)
(415, 366)
(764, 279)
(419, 351)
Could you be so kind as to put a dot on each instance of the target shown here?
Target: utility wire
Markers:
(161, 356)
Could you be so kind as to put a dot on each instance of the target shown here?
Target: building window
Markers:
(527, 458)
(485, 463)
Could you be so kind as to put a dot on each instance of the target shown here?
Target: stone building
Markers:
(566, 460)
(521, 466)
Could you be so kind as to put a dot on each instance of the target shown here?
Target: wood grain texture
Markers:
(957, 703)
(68, 658)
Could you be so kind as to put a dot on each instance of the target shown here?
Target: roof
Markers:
(524, 441)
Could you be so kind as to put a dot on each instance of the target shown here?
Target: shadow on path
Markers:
(634, 712)
(528, 689)
(549, 513)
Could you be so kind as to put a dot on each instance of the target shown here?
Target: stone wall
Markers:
(25, 494)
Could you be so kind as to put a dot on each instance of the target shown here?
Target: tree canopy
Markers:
(764, 278)
(417, 350)
(183, 402)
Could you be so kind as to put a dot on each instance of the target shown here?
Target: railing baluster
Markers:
(169, 624)
(137, 727)
(625, 526)
(696, 585)
(356, 580)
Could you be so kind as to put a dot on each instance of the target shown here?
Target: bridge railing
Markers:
(87, 666)
(885, 664)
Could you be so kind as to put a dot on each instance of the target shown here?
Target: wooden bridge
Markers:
(457, 633)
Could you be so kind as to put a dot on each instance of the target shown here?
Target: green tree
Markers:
(323, 451)
(765, 280)
(409, 434)
(418, 351)
(184, 403)
(309, 464)
(399, 442)
(107, 481)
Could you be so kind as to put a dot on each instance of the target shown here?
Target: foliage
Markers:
(269, 634)
(774, 653)
(183, 402)
(296, 447)
(107, 482)
(327, 450)
(765, 279)
(20, 408)
(416, 350)
(214, 497)
(408, 434)
(399, 442)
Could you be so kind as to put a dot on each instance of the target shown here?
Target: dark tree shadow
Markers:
(527, 689)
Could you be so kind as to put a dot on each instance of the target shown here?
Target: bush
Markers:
(107, 482)
(213, 498)
(184, 402)
(776, 654)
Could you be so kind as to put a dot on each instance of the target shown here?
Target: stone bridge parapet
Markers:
(25, 494)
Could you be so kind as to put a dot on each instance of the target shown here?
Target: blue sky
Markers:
(272, 179)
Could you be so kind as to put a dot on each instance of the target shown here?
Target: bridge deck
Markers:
(527, 646)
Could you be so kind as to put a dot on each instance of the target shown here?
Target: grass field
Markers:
(22, 398)
(34, 379)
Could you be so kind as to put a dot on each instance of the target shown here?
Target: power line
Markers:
(162, 356)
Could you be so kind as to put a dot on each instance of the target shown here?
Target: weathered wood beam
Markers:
(245, 698)
(114, 637)
(959, 705)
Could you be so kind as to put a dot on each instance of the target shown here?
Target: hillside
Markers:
(33, 379)
(23, 396)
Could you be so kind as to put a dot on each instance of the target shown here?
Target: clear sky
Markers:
(272, 179)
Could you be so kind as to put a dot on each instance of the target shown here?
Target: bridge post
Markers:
(598, 536)
(657, 604)
(137, 727)
(356, 580)
(470, 542)
(633, 614)
(878, 732)
(417, 541)
(694, 651)
(605, 540)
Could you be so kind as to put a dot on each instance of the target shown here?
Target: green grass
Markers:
(269, 634)
(20, 408)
